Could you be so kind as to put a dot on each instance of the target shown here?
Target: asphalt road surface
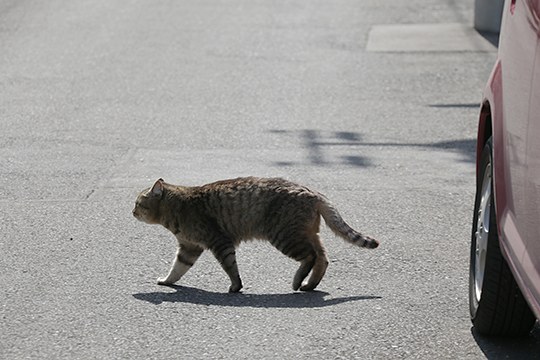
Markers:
(98, 99)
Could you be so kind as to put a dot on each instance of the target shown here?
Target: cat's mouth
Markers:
(140, 217)
(136, 215)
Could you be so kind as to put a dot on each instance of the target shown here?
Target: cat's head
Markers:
(148, 203)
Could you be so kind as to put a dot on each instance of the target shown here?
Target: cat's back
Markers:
(255, 186)
(243, 205)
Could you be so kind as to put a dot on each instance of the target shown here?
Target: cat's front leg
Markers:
(225, 253)
(185, 257)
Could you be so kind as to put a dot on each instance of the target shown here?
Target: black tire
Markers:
(496, 303)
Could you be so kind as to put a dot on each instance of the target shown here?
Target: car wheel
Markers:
(496, 303)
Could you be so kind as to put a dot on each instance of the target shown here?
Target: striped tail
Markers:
(336, 223)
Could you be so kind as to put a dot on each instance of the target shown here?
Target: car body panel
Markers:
(510, 114)
(531, 258)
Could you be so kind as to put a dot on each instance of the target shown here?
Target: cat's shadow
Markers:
(184, 294)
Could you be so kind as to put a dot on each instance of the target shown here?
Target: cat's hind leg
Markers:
(320, 261)
(309, 251)
(316, 262)
(319, 269)
(185, 257)
(305, 267)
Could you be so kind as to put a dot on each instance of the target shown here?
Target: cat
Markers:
(220, 215)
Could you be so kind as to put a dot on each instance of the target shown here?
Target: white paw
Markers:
(163, 281)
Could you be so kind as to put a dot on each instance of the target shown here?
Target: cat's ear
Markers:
(157, 189)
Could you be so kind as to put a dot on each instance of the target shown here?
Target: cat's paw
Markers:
(308, 287)
(235, 288)
(163, 281)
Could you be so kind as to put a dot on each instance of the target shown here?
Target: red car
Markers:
(504, 284)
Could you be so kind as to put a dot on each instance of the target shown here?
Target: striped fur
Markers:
(220, 215)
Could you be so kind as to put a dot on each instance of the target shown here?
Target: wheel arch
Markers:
(485, 129)
(490, 125)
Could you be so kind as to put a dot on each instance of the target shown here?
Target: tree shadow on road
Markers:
(184, 294)
(495, 348)
(317, 143)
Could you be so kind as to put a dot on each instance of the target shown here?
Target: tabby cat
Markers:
(218, 216)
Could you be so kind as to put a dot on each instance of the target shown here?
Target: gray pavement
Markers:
(100, 98)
